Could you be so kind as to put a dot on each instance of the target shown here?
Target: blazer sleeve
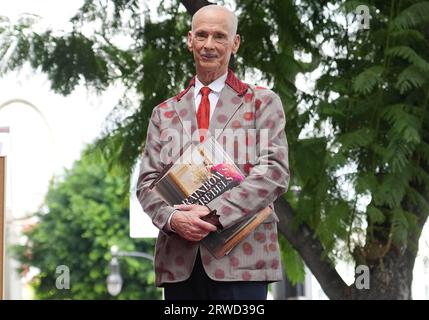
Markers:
(269, 177)
(153, 205)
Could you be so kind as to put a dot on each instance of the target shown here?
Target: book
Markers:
(221, 242)
(200, 174)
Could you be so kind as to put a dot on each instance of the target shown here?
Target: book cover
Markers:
(199, 175)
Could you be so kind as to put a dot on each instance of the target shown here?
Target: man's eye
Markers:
(200, 36)
(220, 38)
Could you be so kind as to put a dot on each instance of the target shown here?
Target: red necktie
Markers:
(203, 113)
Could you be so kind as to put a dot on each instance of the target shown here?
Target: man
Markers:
(217, 102)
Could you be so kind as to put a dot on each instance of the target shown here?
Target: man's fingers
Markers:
(206, 226)
(189, 225)
(199, 210)
(203, 212)
(185, 206)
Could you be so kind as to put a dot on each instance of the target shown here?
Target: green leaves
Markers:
(308, 162)
(333, 225)
(379, 121)
(409, 54)
(87, 213)
(358, 138)
(408, 36)
(405, 123)
(392, 189)
(375, 215)
(306, 152)
(65, 59)
(293, 264)
(415, 15)
(403, 224)
(411, 78)
(367, 80)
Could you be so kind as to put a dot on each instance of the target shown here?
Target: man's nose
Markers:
(209, 43)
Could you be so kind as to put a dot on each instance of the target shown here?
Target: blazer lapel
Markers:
(228, 104)
(231, 98)
(185, 109)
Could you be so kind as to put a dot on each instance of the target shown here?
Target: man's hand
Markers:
(188, 224)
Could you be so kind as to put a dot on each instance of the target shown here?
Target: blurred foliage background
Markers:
(86, 212)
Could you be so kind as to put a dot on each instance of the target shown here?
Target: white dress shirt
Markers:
(215, 87)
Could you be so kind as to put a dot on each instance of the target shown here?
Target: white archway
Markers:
(30, 157)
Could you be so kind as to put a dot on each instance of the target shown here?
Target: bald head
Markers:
(212, 41)
(216, 10)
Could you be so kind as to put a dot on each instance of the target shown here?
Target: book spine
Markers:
(243, 233)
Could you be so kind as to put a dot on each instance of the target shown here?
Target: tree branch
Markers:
(193, 6)
(311, 250)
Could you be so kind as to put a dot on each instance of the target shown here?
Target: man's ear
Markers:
(236, 44)
(189, 41)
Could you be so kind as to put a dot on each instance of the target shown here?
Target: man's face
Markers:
(212, 41)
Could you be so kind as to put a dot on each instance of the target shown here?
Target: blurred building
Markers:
(47, 133)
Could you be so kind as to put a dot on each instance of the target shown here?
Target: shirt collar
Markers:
(215, 86)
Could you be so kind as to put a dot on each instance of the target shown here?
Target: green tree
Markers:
(371, 100)
(374, 94)
(86, 212)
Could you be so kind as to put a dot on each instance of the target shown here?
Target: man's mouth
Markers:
(209, 56)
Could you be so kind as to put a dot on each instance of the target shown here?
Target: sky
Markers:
(54, 13)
